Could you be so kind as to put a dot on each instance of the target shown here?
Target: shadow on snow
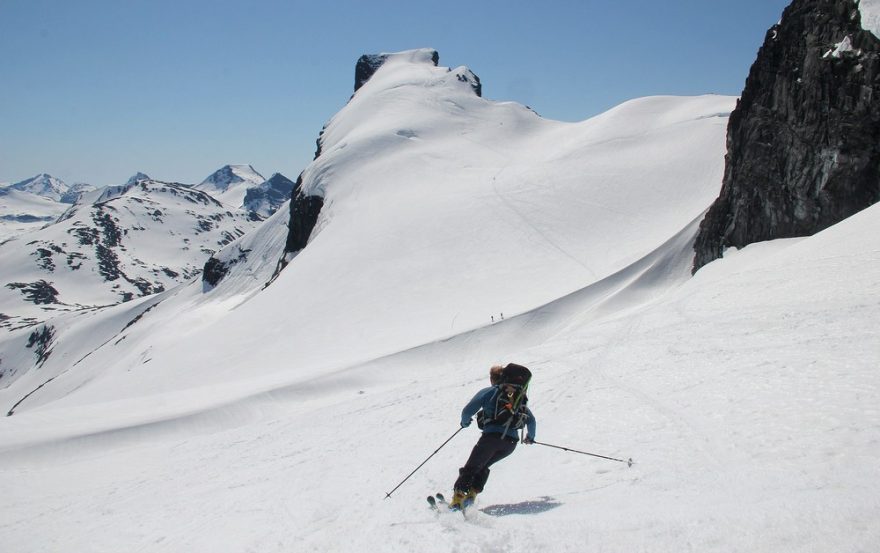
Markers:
(532, 507)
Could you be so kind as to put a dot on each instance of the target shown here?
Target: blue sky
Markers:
(94, 91)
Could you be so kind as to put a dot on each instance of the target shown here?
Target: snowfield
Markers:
(241, 418)
(23, 211)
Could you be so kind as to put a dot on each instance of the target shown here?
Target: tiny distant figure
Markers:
(502, 316)
(493, 318)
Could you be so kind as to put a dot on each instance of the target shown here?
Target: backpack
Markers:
(509, 401)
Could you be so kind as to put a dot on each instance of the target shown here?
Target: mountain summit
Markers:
(43, 185)
(229, 184)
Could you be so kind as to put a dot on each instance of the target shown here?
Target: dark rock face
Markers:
(803, 144)
(38, 293)
(471, 79)
(41, 342)
(365, 68)
(214, 271)
(304, 211)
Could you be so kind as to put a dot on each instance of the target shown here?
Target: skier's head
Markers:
(495, 374)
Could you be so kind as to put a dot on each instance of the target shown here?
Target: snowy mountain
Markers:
(266, 198)
(230, 183)
(203, 415)
(134, 179)
(35, 202)
(43, 185)
(134, 240)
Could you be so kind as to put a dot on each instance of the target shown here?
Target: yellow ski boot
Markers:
(458, 500)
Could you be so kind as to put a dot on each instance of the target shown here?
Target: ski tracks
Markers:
(511, 206)
(615, 358)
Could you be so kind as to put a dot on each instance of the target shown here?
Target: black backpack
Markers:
(509, 400)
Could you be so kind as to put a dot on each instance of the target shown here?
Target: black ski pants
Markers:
(490, 449)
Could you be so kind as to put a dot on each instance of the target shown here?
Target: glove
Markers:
(465, 423)
(528, 440)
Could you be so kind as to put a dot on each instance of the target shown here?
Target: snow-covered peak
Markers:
(137, 177)
(230, 175)
(43, 185)
(229, 184)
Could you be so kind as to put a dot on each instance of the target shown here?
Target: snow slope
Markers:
(448, 207)
(236, 418)
(21, 212)
(750, 413)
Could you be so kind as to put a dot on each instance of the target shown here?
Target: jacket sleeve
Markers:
(531, 424)
(473, 406)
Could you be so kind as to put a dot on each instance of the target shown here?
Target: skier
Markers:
(504, 412)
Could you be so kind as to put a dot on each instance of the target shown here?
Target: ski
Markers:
(436, 500)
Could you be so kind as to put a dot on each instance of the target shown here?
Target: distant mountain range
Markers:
(129, 241)
(72, 247)
(53, 188)
(41, 199)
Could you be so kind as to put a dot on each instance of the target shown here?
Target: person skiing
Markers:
(504, 412)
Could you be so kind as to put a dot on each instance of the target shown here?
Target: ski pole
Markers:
(629, 461)
(387, 495)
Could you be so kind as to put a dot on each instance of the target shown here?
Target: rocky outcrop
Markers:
(803, 144)
(304, 211)
(368, 64)
(365, 67)
(216, 269)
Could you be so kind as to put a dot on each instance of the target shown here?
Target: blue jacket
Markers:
(485, 400)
